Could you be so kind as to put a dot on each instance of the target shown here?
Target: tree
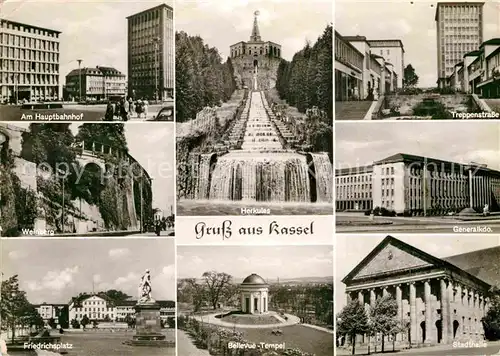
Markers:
(75, 324)
(14, 306)
(491, 321)
(384, 317)
(352, 321)
(216, 283)
(52, 323)
(190, 291)
(85, 321)
(410, 78)
(64, 317)
(171, 322)
(130, 320)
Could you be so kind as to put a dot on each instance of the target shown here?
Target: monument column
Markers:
(444, 311)
(413, 313)
(428, 312)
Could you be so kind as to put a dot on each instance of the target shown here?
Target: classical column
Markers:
(361, 298)
(470, 188)
(399, 301)
(385, 293)
(373, 298)
(451, 333)
(428, 311)
(348, 297)
(413, 313)
(444, 311)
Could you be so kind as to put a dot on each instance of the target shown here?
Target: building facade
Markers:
(254, 295)
(256, 62)
(50, 311)
(459, 31)
(101, 310)
(95, 83)
(481, 70)
(366, 69)
(416, 185)
(29, 63)
(151, 52)
(439, 300)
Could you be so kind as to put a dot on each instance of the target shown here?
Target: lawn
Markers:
(111, 344)
(309, 340)
(242, 319)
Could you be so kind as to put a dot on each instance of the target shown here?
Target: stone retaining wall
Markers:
(406, 103)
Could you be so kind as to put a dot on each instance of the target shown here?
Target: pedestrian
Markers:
(146, 104)
(110, 112)
(124, 110)
(139, 108)
(116, 109)
(132, 107)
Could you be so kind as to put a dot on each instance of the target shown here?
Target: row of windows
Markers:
(355, 195)
(25, 66)
(27, 29)
(27, 42)
(354, 179)
(388, 192)
(354, 188)
(347, 54)
(25, 54)
(139, 20)
(29, 79)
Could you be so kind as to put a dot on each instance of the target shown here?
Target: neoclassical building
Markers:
(254, 295)
(441, 300)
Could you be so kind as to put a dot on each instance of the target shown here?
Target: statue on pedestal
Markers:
(145, 289)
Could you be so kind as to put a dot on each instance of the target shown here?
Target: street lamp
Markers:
(79, 80)
(62, 173)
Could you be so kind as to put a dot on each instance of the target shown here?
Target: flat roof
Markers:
(151, 9)
(28, 25)
(455, 3)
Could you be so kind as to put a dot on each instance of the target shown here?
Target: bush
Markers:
(383, 212)
(367, 212)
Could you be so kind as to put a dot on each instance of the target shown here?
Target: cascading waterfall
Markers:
(204, 176)
(262, 170)
(323, 174)
(262, 177)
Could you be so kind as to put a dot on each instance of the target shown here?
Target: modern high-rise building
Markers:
(29, 62)
(459, 31)
(151, 64)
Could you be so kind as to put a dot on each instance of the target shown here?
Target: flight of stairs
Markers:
(494, 104)
(351, 110)
(284, 132)
(235, 137)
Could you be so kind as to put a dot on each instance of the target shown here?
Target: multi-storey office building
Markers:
(479, 72)
(418, 185)
(151, 64)
(29, 62)
(51, 311)
(361, 69)
(459, 31)
(442, 300)
(96, 83)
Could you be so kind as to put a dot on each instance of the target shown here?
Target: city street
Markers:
(90, 112)
(492, 349)
(350, 222)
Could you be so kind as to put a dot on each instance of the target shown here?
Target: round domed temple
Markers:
(254, 295)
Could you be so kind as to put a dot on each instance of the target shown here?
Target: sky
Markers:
(269, 262)
(353, 248)
(152, 145)
(95, 32)
(54, 270)
(222, 23)
(359, 144)
(413, 24)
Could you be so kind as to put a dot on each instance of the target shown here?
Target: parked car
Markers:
(165, 114)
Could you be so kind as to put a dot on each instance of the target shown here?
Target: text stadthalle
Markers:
(253, 346)
(472, 229)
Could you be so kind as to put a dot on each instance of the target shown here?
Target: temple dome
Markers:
(254, 279)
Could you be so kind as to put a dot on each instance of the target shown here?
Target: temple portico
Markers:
(437, 301)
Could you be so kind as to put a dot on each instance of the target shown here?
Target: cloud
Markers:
(56, 280)
(97, 278)
(117, 253)
(18, 254)
(131, 277)
(196, 260)
(169, 271)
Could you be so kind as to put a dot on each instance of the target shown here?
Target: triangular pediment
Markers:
(391, 256)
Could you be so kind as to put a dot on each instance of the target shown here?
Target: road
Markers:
(346, 223)
(82, 112)
(186, 347)
(491, 349)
